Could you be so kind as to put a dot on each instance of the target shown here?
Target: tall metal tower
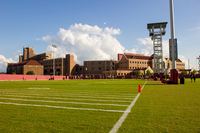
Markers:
(156, 31)
(199, 62)
(173, 46)
(172, 41)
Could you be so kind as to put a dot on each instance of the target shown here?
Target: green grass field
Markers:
(96, 105)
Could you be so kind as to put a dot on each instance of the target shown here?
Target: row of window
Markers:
(121, 74)
(137, 62)
(137, 67)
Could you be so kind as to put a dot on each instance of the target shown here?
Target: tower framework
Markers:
(156, 31)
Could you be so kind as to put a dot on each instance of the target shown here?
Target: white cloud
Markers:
(86, 42)
(3, 63)
(89, 42)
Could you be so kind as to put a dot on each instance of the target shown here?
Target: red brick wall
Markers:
(29, 77)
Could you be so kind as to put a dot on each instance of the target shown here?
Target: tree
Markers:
(194, 71)
(148, 73)
(30, 73)
(137, 73)
(184, 72)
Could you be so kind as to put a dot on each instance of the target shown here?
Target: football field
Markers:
(98, 106)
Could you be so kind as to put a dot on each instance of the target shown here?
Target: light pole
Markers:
(173, 46)
(173, 40)
(62, 67)
(53, 46)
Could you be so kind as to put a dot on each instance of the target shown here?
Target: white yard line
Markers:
(125, 114)
(61, 107)
(49, 101)
(76, 96)
(75, 99)
(81, 95)
(38, 88)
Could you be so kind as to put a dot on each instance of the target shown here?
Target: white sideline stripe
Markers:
(61, 107)
(72, 96)
(47, 101)
(76, 99)
(125, 114)
(129, 96)
(38, 88)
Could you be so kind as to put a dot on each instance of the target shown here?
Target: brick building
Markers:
(130, 61)
(126, 65)
(63, 66)
(28, 53)
(42, 63)
(26, 67)
(168, 65)
(97, 67)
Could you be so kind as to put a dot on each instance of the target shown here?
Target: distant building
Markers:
(97, 67)
(42, 63)
(130, 61)
(124, 66)
(26, 67)
(127, 65)
(63, 66)
(41, 57)
(168, 65)
(28, 53)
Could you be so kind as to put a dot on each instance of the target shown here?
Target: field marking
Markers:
(62, 107)
(72, 96)
(75, 99)
(125, 114)
(127, 96)
(38, 88)
(50, 101)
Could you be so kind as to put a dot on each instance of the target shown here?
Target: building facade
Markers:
(130, 61)
(28, 53)
(32, 67)
(42, 63)
(63, 66)
(126, 65)
(97, 67)
(168, 65)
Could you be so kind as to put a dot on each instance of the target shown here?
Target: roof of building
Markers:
(29, 62)
(100, 61)
(32, 62)
(178, 60)
(136, 56)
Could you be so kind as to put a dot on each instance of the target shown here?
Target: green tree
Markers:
(148, 73)
(193, 72)
(184, 72)
(137, 73)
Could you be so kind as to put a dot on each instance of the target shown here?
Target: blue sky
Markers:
(25, 22)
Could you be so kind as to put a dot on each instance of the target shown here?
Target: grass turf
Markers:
(166, 108)
(160, 108)
(41, 119)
